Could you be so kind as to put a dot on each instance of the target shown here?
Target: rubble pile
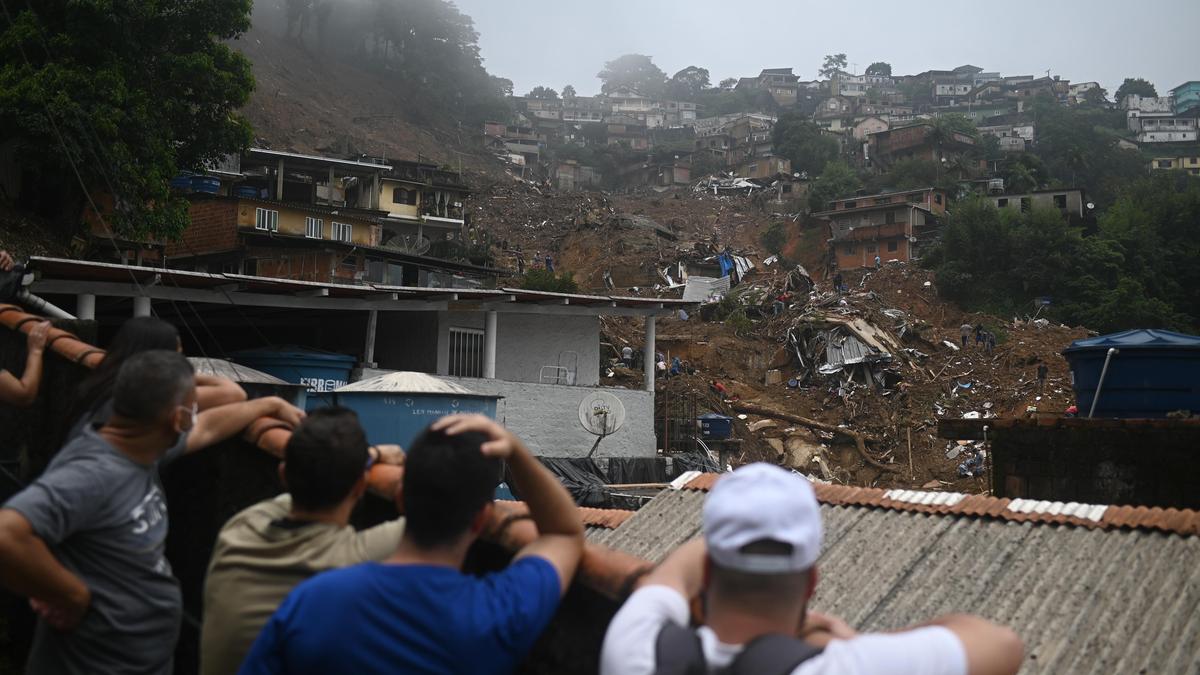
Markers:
(882, 362)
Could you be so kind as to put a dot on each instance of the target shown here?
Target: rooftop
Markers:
(1090, 588)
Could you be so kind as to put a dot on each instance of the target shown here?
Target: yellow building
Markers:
(1190, 164)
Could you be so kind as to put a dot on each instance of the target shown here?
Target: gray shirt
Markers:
(104, 517)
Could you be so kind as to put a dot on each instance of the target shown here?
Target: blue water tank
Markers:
(1154, 372)
(182, 182)
(206, 184)
(246, 191)
(715, 427)
(396, 408)
(322, 372)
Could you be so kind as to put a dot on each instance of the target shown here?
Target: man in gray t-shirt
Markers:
(85, 540)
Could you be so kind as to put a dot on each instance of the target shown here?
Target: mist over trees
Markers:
(426, 48)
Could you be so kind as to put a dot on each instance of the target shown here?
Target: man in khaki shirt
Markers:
(263, 552)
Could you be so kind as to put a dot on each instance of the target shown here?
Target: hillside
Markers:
(307, 102)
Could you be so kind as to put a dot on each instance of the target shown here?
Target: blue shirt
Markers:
(379, 618)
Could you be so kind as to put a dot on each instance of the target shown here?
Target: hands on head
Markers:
(6, 262)
(501, 443)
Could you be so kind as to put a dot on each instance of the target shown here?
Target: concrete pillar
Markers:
(489, 345)
(141, 305)
(329, 190)
(375, 191)
(648, 354)
(369, 349)
(279, 180)
(85, 306)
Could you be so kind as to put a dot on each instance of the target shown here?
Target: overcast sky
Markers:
(559, 42)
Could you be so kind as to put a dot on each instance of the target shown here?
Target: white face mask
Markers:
(195, 411)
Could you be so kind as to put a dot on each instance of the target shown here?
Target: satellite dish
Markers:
(601, 413)
(1091, 205)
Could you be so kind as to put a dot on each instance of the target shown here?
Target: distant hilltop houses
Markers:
(673, 143)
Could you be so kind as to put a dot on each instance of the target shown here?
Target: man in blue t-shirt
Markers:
(416, 612)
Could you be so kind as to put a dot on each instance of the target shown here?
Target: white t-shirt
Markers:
(629, 644)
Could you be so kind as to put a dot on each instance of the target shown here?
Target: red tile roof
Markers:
(1094, 516)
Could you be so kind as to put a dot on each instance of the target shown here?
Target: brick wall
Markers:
(213, 228)
(1100, 462)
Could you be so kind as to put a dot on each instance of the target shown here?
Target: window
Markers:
(314, 228)
(1001, 203)
(1193, 161)
(465, 352)
(870, 248)
(404, 196)
(343, 232)
(937, 199)
(266, 219)
(1060, 201)
(889, 217)
(848, 249)
(1164, 163)
(915, 198)
(1026, 204)
(892, 246)
(851, 204)
(882, 200)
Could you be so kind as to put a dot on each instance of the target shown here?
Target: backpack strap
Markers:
(677, 651)
(773, 654)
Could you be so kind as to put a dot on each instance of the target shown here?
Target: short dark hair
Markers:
(151, 383)
(756, 589)
(324, 457)
(447, 480)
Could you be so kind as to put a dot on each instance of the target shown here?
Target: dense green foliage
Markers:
(833, 63)
(1135, 85)
(541, 92)
(1078, 148)
(775, 237)
(798, 138)
(837, 180)
(130, 92)
(880, 68)
(688, 84)
(633, 70)
(541, 280)
(1137, 270)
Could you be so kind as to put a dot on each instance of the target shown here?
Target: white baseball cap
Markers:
(762, 501)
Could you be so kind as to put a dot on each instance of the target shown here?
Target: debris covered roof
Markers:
(1081, 584)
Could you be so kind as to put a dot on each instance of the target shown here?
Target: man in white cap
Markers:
(755, 570)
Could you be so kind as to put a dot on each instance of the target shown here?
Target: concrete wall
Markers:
(527, 342)
(546, 417)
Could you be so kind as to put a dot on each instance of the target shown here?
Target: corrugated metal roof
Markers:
(1102, 516)
(700, 289)
(407, 382)
(843, 349)
(1084, 599)
(236, 372)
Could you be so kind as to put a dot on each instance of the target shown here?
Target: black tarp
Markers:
(580, 475)
(625, 470)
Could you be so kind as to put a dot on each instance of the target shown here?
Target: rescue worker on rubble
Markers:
(416, 611)
(755, 571)
(965, 331)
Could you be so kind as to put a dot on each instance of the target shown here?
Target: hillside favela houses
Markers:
(888, 226)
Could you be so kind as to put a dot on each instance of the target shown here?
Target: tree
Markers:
(798, 138)
(834, 63)
(1136, 85)
(1096, 96)
(687, 84)
(545, 93)
(129, 97)
(728, 83)
(636, 71)
(837, 180)
(502, 86)
(568, 92)
(880, 69)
